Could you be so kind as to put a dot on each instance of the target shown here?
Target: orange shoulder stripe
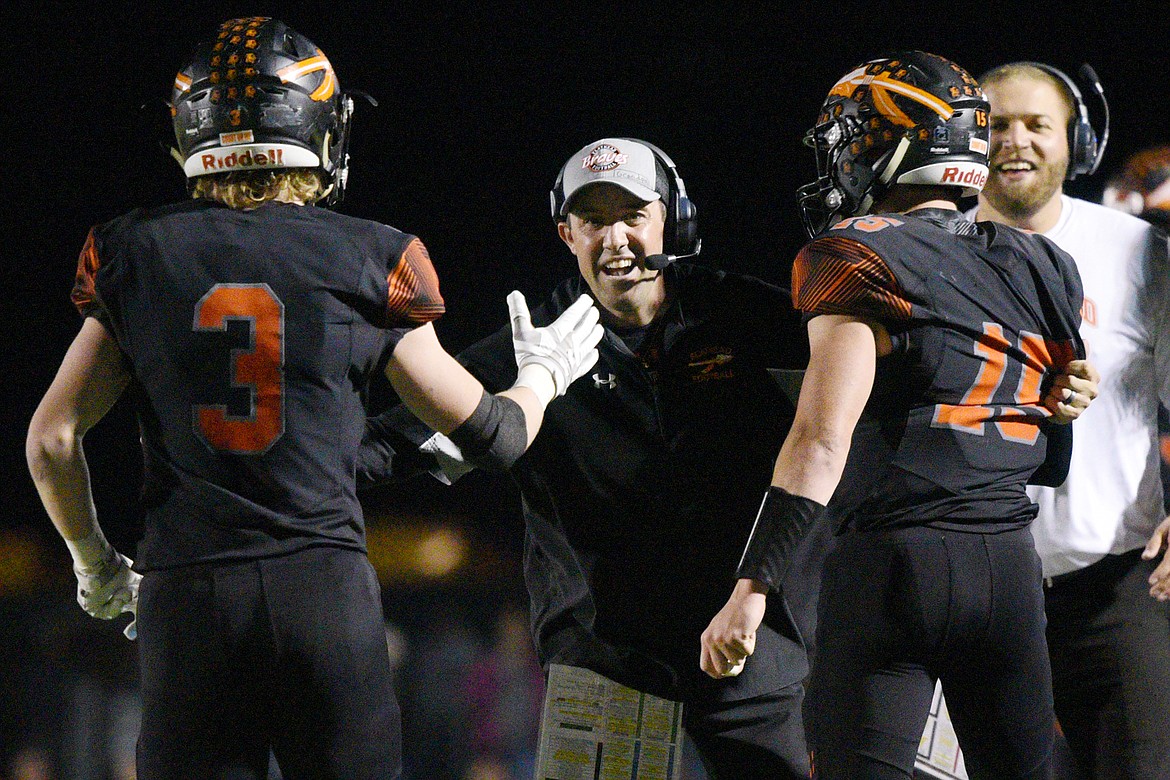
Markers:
(84, 294)
(842, 276)
(413, 288)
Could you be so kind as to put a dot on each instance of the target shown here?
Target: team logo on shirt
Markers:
(1089, 311)
(711, 363)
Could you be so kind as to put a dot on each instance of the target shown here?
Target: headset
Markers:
(1084, 149)
(680, 236)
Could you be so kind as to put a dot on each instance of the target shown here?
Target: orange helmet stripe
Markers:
(938, 105)
(328, 85)
(182, 82)
(886, 104)
(311, 65)
(859, 78)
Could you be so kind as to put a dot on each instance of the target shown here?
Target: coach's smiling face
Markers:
(611, 232)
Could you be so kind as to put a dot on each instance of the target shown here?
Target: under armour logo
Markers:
(609, 381)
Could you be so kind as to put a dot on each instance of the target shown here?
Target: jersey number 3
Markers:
(259, 367)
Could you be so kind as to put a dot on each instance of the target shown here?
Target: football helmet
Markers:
(1142, 187)
(261, 96)
(910, 118)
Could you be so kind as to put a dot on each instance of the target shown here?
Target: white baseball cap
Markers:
(620, 161)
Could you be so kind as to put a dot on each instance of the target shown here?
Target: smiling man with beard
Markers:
(1101, 533)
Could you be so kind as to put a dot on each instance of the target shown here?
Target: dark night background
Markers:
(479, 105)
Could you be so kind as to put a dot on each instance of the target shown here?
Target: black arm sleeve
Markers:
(781, 524)
(495, 435)
(390, 448)
(1054, 469)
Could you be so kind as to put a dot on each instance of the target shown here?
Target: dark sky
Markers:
(478, 108)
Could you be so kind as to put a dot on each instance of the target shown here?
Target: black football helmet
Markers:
(910, 118)
(1142, 186)
(260, 96)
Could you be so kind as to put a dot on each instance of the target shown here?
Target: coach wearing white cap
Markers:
(639, 496)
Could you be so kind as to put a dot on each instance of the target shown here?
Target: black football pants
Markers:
(287, 654)
(902, 608)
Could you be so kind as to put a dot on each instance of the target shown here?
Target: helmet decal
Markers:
(881, 84)
(261, 96)
(311, 65)
(911, 118)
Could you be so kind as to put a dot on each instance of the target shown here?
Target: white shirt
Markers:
(1112, 499)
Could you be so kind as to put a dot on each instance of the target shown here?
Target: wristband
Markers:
(495, 434)
(781, 523)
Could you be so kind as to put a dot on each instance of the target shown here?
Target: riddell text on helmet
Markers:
(252, 158)
(973, 177)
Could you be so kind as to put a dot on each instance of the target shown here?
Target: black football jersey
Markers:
(250, 336)
(981, 317)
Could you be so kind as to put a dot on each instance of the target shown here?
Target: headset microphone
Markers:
(1090, 76)
(658, 262)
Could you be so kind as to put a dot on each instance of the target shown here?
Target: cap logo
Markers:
(604, 157)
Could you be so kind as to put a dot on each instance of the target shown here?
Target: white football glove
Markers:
(107, 587)
(566, 349)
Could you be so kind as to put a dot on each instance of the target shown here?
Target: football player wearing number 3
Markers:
(930, 395)
(245, 323)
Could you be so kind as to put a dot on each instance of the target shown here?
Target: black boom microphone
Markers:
(658, 262)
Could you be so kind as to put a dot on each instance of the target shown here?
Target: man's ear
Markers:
(565, 231)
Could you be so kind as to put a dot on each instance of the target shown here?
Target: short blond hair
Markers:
(248, 189)
(1027, 70)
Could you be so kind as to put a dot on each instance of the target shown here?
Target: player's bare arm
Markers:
(843, 357)
(90, 380)
(441, 392)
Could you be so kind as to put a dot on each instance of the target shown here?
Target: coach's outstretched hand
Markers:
(1159, 542)
(566, 349)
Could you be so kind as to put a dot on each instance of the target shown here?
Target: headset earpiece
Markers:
(1084, 151)
(556, 196)
(681, 233)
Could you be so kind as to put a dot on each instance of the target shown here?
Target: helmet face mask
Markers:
(910, 118)
(261, 96)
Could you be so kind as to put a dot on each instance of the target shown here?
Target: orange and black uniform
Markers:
(250, 337)
(935, 575)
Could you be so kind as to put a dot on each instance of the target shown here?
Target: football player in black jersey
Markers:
(930, 396)
(245, 324)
